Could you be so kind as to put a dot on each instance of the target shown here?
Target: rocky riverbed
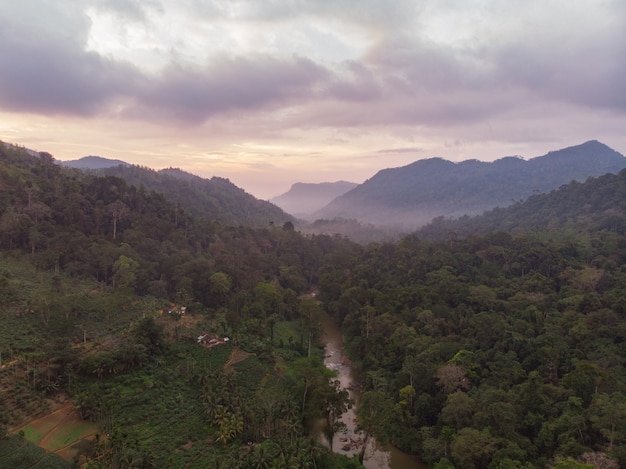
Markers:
(351, 441)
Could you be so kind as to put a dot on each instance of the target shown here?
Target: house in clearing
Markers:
(177, 310)
(208, 340)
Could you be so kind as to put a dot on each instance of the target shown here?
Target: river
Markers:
(348, 443)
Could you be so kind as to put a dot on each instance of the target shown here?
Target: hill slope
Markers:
(595, 205)
(214, 199)
(412, 195)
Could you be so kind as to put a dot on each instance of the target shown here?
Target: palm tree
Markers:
(261, 457)
(231, 426)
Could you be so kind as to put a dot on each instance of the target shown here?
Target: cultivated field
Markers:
(62, 432)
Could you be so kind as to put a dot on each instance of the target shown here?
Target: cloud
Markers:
(353, 82)
(592, 76)
(411, 63)
(129, 9)
(46, 69)
(364, 13)
(410, 150)
(246, 84)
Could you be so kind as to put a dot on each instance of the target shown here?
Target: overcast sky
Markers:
(272, 92)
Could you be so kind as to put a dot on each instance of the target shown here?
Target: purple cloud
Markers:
(50, 72)
(231, 84)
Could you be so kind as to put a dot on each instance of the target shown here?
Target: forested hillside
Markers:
(216, 199)
(598, 204)
(477, 349)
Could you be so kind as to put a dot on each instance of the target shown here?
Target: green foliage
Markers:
(569, 464)
(17, 452)
(505, 347)
(125, 272)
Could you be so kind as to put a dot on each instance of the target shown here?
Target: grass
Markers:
(69, 433)
(18, 453)
(286, 330)
(251, 373)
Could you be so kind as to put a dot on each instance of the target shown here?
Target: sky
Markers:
(272, 92)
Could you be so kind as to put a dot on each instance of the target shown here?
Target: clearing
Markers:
(62, 432)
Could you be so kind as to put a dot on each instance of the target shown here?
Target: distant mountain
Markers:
(305, 198)
(92, 162)
(411, 196)
(215, 199)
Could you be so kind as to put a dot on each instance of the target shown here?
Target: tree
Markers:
(472, 449)
(407, 396)
(310, 317)
(125, 272)
(118, 210)
(220, 284)
(452, 377)
(376, 415)
(306, 373)
(230, 426)
(336, 402)
(458, 410)
(268, 297)
(584, 380)
(148, 333)
(608, 416)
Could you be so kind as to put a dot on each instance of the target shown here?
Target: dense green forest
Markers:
(478, 349)
(491, 351)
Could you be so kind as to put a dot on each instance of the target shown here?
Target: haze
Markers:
(268, 92)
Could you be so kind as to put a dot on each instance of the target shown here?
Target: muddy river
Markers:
(350, 442)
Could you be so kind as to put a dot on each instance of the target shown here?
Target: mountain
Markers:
(215, 199)
(303, 199)
(92, 162)
(412, 195)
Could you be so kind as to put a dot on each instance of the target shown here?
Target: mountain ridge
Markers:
(412, 195)
(216, 198)
(92, 162)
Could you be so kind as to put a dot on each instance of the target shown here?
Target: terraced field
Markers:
(62, 432)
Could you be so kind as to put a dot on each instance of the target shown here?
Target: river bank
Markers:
(351, 441)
